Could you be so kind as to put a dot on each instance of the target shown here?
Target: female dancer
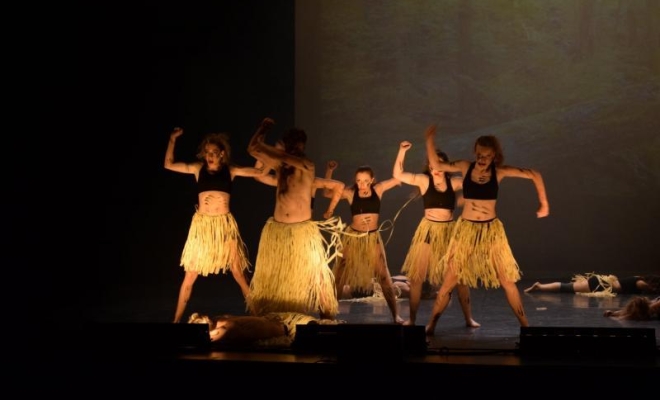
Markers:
(214, 243)
(479, 252)
(432, 236)
(363, 256)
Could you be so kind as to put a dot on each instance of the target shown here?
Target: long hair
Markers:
(292, 141)
(637, 309)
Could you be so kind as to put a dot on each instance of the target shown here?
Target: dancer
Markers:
(270, 330)
(363, 253)
(328, 185)
(479, 252)
(638, 308)
(214, 243)
(291, 269)
(600, 285)
(429, 243)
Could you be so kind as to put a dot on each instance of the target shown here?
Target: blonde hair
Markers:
(196, 318)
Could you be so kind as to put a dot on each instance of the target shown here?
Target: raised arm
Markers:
(272, 156)
(335, 190)
(528, 173)
(432, 155)
(398, 171)
(385, 185)
(431, 152)
(185, 168)
(257, 146)
(330, 166)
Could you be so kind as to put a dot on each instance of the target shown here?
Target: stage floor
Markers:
(488, 352)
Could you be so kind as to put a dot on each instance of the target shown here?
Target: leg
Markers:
(184, 294)
(414, 300)
(464, 299)
(240, 278)
(417, 282)
(544, 287)
(441, 301)
(581, 286)
(385, 280)
(237, 272)
(327, 304)
(338, 272)
(513, 297)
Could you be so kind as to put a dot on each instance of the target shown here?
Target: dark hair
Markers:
(291, 141)
(654, 283)
(427, 171)
(292, 138)
(637, 309)
(363, 168)
(442, 155)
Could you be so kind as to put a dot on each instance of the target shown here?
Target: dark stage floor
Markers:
(569, 339)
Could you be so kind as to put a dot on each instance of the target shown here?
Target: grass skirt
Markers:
(479, 253)
(290, 320)
(291, 271)
(604, 287)
(213, 242)
(435, 234)
(360, 252)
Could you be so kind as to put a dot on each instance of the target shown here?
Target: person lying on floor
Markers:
(598, 285)
(401, 285)
(638, 308)
(273, 329)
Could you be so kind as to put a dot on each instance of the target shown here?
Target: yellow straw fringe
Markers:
(291, 272)
(479, 254)
(333, 247)
(604, 288)
(360, 253)
(213, 243)
(290, 320)
(438, 234)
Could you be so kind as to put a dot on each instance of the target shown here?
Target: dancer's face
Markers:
(484, 156)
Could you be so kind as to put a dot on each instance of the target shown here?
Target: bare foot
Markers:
(472, 323)
(533, 287)
(398, 320)
(409, 323)
(430, 332)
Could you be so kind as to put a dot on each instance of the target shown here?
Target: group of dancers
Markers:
(299, 272)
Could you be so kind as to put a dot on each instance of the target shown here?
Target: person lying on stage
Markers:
(276, 329)
(401, 285)
(638, 308)
(597, 285)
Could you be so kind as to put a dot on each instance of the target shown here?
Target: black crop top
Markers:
(433, 198)
(480, 191)
(365, 205)
(629, 285)
(218, 180)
